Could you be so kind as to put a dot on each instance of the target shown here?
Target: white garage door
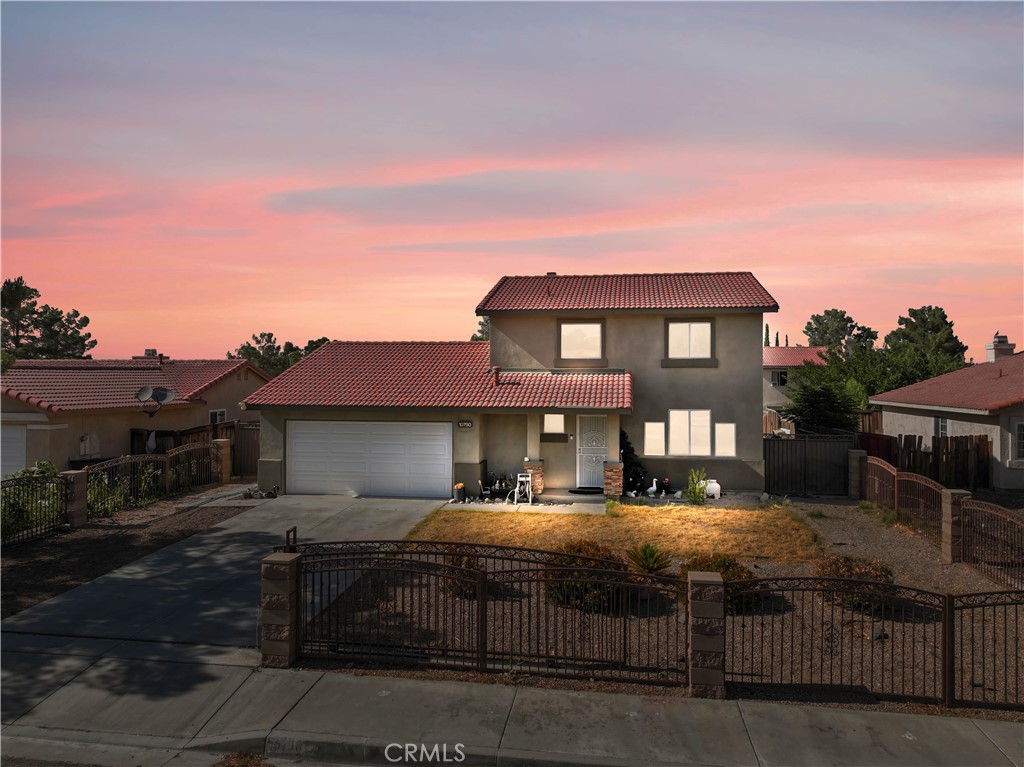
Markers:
(12, 449)
(369, 458)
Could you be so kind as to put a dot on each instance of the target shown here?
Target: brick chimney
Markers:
(497, 373)
(999, 348)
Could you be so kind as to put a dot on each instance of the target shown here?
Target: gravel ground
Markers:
(845, 528)
(38, 570)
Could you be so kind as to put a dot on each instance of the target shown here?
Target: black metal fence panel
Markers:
(988, 633)
(489, 608)
(827, 632)
(918, 505)
(992, 540)
(32, 507)
(808, 464)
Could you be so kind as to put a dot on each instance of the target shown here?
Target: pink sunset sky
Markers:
(190, 174)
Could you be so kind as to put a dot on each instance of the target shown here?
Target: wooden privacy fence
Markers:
(808, 464)
(245, 442)
(771, 422)
(884, 639)
(988, 537)
(32, 507)
(134, 481)
(964, 461)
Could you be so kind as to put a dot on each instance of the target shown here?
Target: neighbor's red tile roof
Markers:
(701, 290)
(986, 387)
(452, 374)
(791, 356)
(57, 385)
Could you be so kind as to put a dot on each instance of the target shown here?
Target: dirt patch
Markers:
(39, 570)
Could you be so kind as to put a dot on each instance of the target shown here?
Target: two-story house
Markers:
(674, 360)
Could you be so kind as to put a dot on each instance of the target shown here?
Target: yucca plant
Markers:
(648, 559)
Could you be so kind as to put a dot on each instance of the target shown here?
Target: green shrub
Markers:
(725, 565)
(877, 580)
(571, 579)
(815, 513)
(696, 488)
(648, 559)
(25, 506)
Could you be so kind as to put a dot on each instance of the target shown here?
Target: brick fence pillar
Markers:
(706, 634)
(858, 461)
(78, 509)
(279, 609)
(224, 445)
(613, 479)
(536, 471)
(952, 525)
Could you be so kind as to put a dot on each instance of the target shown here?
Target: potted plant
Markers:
(460, 492)
(647, 560)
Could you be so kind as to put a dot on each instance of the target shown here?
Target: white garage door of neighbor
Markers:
(369, 458)
(12, 449)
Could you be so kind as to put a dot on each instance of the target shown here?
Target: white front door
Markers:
(591, 450)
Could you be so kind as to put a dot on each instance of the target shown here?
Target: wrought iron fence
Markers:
(877, 637)
(490, 608)
(135, 481)
(880, 483)
(887, 640)
(191, 466)
(919, 505)
(32, 507)
(988, 633)
(992, 540)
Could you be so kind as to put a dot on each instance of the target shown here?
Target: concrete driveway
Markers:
(204, 590)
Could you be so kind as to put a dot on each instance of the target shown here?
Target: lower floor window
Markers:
(1019, 448)
(218, 416)
(690, 432)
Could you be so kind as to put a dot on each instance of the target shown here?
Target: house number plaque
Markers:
(465, 424)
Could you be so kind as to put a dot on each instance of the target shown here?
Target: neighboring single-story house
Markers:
(987, 398)
(777, 364)
(672, 359)
(73, 412)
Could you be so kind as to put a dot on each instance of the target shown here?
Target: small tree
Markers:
(766, 334)
(633, 472)
(820, 403)
(483, 332)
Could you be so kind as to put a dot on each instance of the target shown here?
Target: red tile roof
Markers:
(701, 290)
(451, 374)
(58, 385)
(985, 388)
(791, 356)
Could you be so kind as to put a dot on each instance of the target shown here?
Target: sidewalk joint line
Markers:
(746, 730)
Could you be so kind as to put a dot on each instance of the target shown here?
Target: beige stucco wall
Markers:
(1007, 473)
(733, 390)
(505, 446)
(57, 436)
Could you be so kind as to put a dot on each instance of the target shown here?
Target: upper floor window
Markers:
(779, 377)
(581, 340)
(689, 343)
(218, 416)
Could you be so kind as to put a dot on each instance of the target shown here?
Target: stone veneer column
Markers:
(78, 509)
(279, 610)
(858, 464)
(952, 525)
(613, 479)
(706, 634)
(225, 459)
(536, 470)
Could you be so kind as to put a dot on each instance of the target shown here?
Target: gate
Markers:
(808, 464)
(489, 608)
(245, 454)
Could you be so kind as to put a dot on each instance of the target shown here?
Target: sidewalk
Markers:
(155, 664)
(144, 704)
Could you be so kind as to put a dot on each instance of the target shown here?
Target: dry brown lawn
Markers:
(774, 533)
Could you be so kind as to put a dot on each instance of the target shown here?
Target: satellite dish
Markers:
(144, 394)
(162, 395)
